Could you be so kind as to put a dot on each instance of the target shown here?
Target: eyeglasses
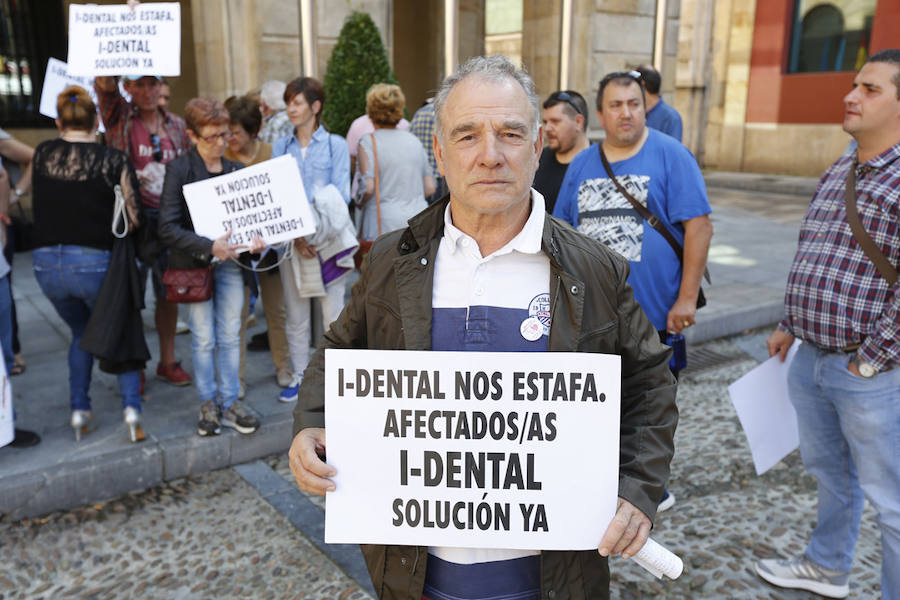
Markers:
(212, 139)
(565, 97)
(157, 147)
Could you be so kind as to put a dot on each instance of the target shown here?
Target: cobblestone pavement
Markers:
(209, 536)
(213, 536)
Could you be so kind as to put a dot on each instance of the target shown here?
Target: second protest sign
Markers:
(266, 200)
(472, 449)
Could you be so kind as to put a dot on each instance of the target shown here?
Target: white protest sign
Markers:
(265, 200)
(7, 432)
(116, 40)
(57, 79)
(514, 450)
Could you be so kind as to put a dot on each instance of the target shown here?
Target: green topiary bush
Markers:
(359, 59)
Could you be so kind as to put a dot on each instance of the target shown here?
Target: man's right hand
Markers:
(310, 471)
(107, 84)
(779, 343)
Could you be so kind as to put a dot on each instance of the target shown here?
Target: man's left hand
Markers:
(627, 532)
(681, 316)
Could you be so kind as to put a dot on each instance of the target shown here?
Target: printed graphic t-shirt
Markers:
(665, 178)
(151, 173)
(498, 303)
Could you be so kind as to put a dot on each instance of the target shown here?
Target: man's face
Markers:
(560, 129)
(623, 115)
(486, 151)
(144, 92)
(165, 95)
(872, 104)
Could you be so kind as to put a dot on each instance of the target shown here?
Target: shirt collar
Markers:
(318, 135)
(527, 241)
(885, 158)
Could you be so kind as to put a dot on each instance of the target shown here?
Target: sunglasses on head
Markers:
(565, 97)
(157, 147)
(632, 74)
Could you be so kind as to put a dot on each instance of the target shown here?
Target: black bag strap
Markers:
(645, 213)
(882, 264)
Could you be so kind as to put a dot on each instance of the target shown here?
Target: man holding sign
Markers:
(488, 270)
(151, 137)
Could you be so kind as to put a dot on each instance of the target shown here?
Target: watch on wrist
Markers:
(864, 368)
(19, 193)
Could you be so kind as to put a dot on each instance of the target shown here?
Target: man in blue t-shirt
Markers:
(660, 116)
(661, 174)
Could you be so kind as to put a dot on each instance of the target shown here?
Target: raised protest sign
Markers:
(116, 40)
(515, 450)
(56, 80)
(265, 200)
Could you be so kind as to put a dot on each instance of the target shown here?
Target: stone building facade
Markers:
(725, 63)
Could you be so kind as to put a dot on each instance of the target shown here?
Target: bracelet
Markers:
(19, 193)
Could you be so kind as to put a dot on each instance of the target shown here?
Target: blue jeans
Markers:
(215, 336)
(849, 440)
(70, 277)
(6, 322)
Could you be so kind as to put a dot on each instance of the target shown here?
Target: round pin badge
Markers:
(531, 329)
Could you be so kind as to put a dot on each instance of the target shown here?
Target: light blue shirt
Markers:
(327, 161)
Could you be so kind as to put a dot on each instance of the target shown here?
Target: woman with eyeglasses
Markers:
(315, 270)
(74, 181)
(215, 324)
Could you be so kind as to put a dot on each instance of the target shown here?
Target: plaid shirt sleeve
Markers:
(835, 296)
(114, 111)
(422, 127)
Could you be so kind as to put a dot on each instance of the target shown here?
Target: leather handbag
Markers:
(365, 245)
(654, 222)
(184, 286)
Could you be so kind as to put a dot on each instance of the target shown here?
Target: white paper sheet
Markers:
(764, 408)
(6, 409)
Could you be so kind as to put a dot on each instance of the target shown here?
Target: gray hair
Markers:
(496, 68)
(272, 94)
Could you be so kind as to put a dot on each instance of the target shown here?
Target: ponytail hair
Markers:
(75, 109)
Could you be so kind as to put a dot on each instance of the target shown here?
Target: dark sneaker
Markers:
(209, 419)
(802, 574)
(259, 342)
(667, 502)
(239, 418)
(173, 373)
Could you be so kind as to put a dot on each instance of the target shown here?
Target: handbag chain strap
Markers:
(882, 264)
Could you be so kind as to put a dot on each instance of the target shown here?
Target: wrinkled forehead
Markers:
(478, 98)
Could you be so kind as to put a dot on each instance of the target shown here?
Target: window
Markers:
(28, 38)
(830, 36)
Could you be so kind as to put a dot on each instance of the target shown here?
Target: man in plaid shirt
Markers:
(844, 381)
(151, 137)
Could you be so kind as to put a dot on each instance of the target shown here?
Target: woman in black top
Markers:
(74, 199)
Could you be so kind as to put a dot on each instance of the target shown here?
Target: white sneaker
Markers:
(802, 574)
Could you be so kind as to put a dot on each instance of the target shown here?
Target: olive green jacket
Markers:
(592, 309)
